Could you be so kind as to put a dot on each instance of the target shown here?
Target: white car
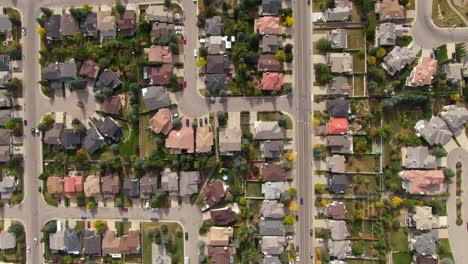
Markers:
(298, 259)
(23, 30)
(35, 241)
(28, 249)
(178, 28)
(195, 51)
(289, 237)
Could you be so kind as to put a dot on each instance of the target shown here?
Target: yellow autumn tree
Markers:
(324, 202)
(293, 206)
(396, 201)
(379, 204)
(201, 62)
(289, 22)
(41, 31)
(455, 97)
(291, 156)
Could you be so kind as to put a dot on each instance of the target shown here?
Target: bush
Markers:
(324, 45)
(323, 74)
(78, 84)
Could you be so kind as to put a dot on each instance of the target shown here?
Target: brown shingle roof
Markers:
(112, 105)
(216, 193)
(54, 185)
(161, 122)
(89, 69)
(273, 172)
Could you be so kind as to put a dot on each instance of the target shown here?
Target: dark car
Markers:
(186, 236)
(311, 232)
(25, 122)
(39, 189)
(302, 201)
(125, 209)
(84, 217)
(33, 131)
(154, 219)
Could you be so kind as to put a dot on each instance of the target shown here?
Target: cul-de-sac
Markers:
(234, 131)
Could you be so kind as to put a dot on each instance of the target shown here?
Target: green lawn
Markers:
(356, 39)
(122, 227)
(402, 258)
(444, 250)
(444, 16)
(254, 189)
(129, 143)
(365, 184)
(176, 235)
(318, 5)
(359, 63)
(399, 241)
(273, 116)
(358, 88)
(147, 137)
(363, 163)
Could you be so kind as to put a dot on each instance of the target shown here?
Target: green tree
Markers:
(14, 125)
(167, 3)
(289, 220)
(77, 84)
(286, 197)
(358, 248)
(120, 7)
(324, 45)
(280, 56)
(319, 188)
(381, 52)
(100, 226)
(17, 229)
(177, 123)
(164, 229)
(240, 165)
(174, 48)
(46, 11)
(323, 73)
(91, 205)
(80, 199)
(331, 4)
(283, 121)
(439, 152)
(50, 227)
(99, 97)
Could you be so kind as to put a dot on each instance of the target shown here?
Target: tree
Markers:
(222, 118)
(17, 229)
(104, 63)
(115, 149)
(91, 205)
(203, 52)
(46, 11)
(289, 220)
(322, 73)
(381, 52)
(99, 97)
(449, 174)
(439, 152)
(100, 226)
(77, 84)
(41, 31)
(358, 248)
(283, 121)
(201, 62)
(167, 3)
(317, 152)
(15, 18)
(319, 188)
(242, 201)
(174, 48)
(289, 22)
(286, 197)
(293, 206)
(324, 45)
(240, 165)
(396, 201)
(87, 8)
(153, 233)
(164, 229)
(331, 4)
(120, 7)
(14, 125)
(176, 122)
(371, 60)
(280, 56)
(80, 199)
(107, 92)
(50, 227)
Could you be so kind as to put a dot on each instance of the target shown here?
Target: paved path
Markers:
(458, 234)
(427, 34)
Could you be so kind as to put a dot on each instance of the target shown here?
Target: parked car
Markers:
(311, 232)
(297, 248)
(25, 122)
(195, 51)
(33, 131)
(84, 217)
(186, 236)
(185, 84)
(298, 259)
(289, 237)
(302, 201)
(125, 209)
(39, 189)
(155, 209)
(35, 241)
(28, 249)
(23, 31)
(88, 224)
(154, 219)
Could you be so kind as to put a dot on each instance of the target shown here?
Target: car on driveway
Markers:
(185, 84)
(125, 209)
(88, 224)
(195, 52)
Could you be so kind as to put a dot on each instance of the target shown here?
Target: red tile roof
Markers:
(423, 181)
(423, 72)
(268, 25)
(337, 126)
(72, 185)
(159, 54)
(159, 75)
(161, 121)
(272, 81)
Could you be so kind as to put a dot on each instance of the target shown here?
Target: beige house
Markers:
(92, 187)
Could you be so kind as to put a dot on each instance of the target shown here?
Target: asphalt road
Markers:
(427, 34)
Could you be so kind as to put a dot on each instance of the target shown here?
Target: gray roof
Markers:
(170, 181)
(215, 82)
(5, 135)
(273, 245)
(5, 24)
(340, 62)
(338, 229)
(72, 241)
(68, 25)
(216, 63)
(7, 187)
(419, 158)
(216, 45)
(131, 188)
(57, 241)
(337, 183)
(339, 38)
(338, 107)
(148, 185)
(162, 31)
(336, 164)
(159, 13)
(387, 33)
(189, 182)
(341, 12)
(455, 117)
(213, 26)
(70, 139)
(88, 25)
(5, 63)
(108, 79)
(339, 249)
(400, 57)
(340, 143)
(272, 148)
(268, 130)
(93, 140)
(273, 190)
(155, 97)
(271, 43)
(339, 86)
(91, 243)
(5, 101)
(271, 7)
(271, 260)
(67, 71)
(52, 136)
(426, 243)
(453, 72)
(5, 115)
(109, 128)
(7, 240)
(52, 27)
(271, 227)
(5, 152)
(272, 209)
(434, 131)
(51, 72)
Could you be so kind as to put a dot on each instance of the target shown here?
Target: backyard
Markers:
(175, 234)
(358, 87)
(147, 137)
(363, 163)
(254, 189)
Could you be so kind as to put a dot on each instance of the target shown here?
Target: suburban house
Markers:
(434, 131)
(189, 181)
(391, 9)
(182, 139)
(400, 57)
(54, 186)
(338, 183)
(423, 182)
(340, 62)
(91, 243)
(338, 107)
(337, 126)
(159, 54)
(270, 7)
(338, 229)
(52, 27)
(72, 185)
(418, 158)
(230, 136)
(93, 140)
(52, 136)
(159, 13)
(341, 11)
(158, 75)
(268, 63)
(342, 144)
(110, 185)
(273, 245)
(264, 130)
(5, 26)
(5, 101)
(268, 25)
(215, 82)
(424, 259)
(336, 210)
(148, 185)
(57, 241)
(273, 172)
(271, 227)
(89, 70)
(455, 117)
(126, 244)
(272, 81)
(68, 25)
(338, 38)
(272, 149)
(161, 31)
(5, 144)
(70, 139)
(127, 23)
(216, 193)
(425, 244)
(7, 240)
(108, 127)
(72, 241)
(216, 44)
(271, 260)
(106, 24)
(56, 73)
(5, 69)
(170, 182)
(423, 219)
(271, 43)
(88, 25)
(336, 164)
(155, 97)
(387, 33)
(131, 188)
(339, 249)
(224, 216)
(161, 122)
(220, 236)
(272, 209)
(217, 64)
(213, 26)
(112, 105)
(92, 186)
(7, 186)
(273, 190)
(453, 72)
(108, 79)
(220, 255)
(423, 73)
(204, 139)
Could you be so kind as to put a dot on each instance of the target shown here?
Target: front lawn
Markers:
(399, 240)
(147, 136)
(175, 233)
(128, 146)
(402, 257)
(444, 250)
(274, 116)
